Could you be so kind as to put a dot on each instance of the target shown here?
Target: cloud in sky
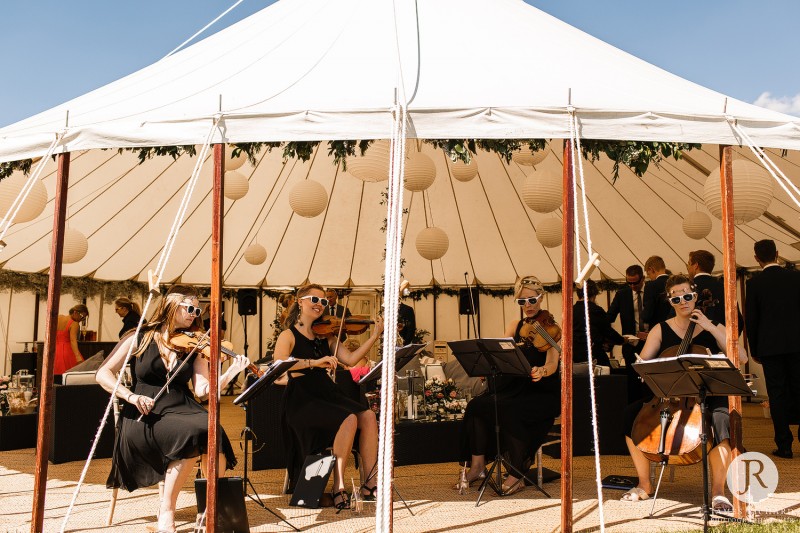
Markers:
(784, 104)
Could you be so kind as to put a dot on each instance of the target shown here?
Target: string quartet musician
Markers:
(315, 411)
(527, 405)
(682, 297)
(173, 431)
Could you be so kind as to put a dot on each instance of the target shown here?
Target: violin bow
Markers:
(203, 338)
(339, 335)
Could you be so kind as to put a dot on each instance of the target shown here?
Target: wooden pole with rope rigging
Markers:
(48, 357)
(216, 323)
(567, 279)
(731, 316)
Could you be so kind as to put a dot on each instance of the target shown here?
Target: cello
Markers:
(669, 430)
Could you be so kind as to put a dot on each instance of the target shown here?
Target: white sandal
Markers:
(636, 494)
(721, 504)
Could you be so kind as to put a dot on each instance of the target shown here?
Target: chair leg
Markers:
(539, 477)
(112, 504)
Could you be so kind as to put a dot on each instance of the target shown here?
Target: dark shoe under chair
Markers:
(784, 454)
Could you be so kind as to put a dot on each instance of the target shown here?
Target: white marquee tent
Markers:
(317, 70)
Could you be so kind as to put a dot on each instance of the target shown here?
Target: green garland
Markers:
(636, 155)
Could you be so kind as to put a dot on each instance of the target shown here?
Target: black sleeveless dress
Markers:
(526, 412)
(717, 405)
(313, 406)
(176, 428)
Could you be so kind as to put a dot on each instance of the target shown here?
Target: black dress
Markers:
(526, 412)
(129, 322)
(176, 428)
(313, 406)
(717, 405)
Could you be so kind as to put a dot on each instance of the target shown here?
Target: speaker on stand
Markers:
(247, 305)
(466, 301)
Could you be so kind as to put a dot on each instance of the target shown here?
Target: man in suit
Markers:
(628, 305)
(656, 307)
(406, 323)
(772, 312)
(699, 267)
(333, 308)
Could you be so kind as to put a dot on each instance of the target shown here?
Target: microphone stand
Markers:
(472, 309)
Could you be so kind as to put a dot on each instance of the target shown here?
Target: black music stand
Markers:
(273, 372)
(490, 358)
(700, 376)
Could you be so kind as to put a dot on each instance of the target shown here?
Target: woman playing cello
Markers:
(527, 406)
(681, 295)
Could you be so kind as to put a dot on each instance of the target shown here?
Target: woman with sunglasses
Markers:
(682, 297)
(173, 432)
(527, 406)
(67, 352)
(316, 413)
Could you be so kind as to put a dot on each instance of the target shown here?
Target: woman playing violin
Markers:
(527, 406)
(707, 334)
(316, 412)
(173, 432)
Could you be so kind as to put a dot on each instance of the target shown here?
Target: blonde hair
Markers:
(164, 315)
(294, 310)
(528, 282)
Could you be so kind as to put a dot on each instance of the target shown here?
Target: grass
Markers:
(788, 526)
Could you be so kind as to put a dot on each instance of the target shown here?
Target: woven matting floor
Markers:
(427, 489)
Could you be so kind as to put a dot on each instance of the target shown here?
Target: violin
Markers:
(188, 340)
(328, 326)
(670, 429)
(541, 331)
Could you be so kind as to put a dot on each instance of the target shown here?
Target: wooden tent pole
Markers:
(731, 317)
(216, 323)
(567, 280)
(48, 357)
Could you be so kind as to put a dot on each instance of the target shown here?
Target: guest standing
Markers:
(67, 352)
(173, 432)
(700, 266)
(603, 336)
(527, 405)
(772, 312)
(656, 308)
(316, 413)
(129, 312)
(628, 304)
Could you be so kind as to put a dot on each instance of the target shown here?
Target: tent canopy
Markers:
(333, 69)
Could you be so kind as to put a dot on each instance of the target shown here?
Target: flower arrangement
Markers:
(443, 398)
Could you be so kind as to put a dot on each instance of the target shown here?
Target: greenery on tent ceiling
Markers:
(636, 155)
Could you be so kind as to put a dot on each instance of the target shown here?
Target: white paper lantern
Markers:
(373, 165)
(542, 190)
(697, 225)
(548, 232)
(75, 245)
(753, 189)
(234, 163)
(464, 172)
(236, 185)
(420, 172)
(524, 156)
(255, 254)
(33, 205)
(308, 198)
(432, 243)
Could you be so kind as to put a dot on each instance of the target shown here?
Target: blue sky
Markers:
(55, 50)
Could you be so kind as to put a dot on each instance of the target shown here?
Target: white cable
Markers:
(575, 153)
(204, 28)
(162, 262)
(11, 214)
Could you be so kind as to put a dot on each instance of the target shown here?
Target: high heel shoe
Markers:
(368, 494)
(341, 500)
(464, 483)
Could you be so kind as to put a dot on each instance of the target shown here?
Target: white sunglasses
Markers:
(191, 309)
(533, 300)
(688, 297)
(316, 300)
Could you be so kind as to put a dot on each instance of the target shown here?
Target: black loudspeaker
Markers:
(464, 304)
(248, 301)
(231, 510)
